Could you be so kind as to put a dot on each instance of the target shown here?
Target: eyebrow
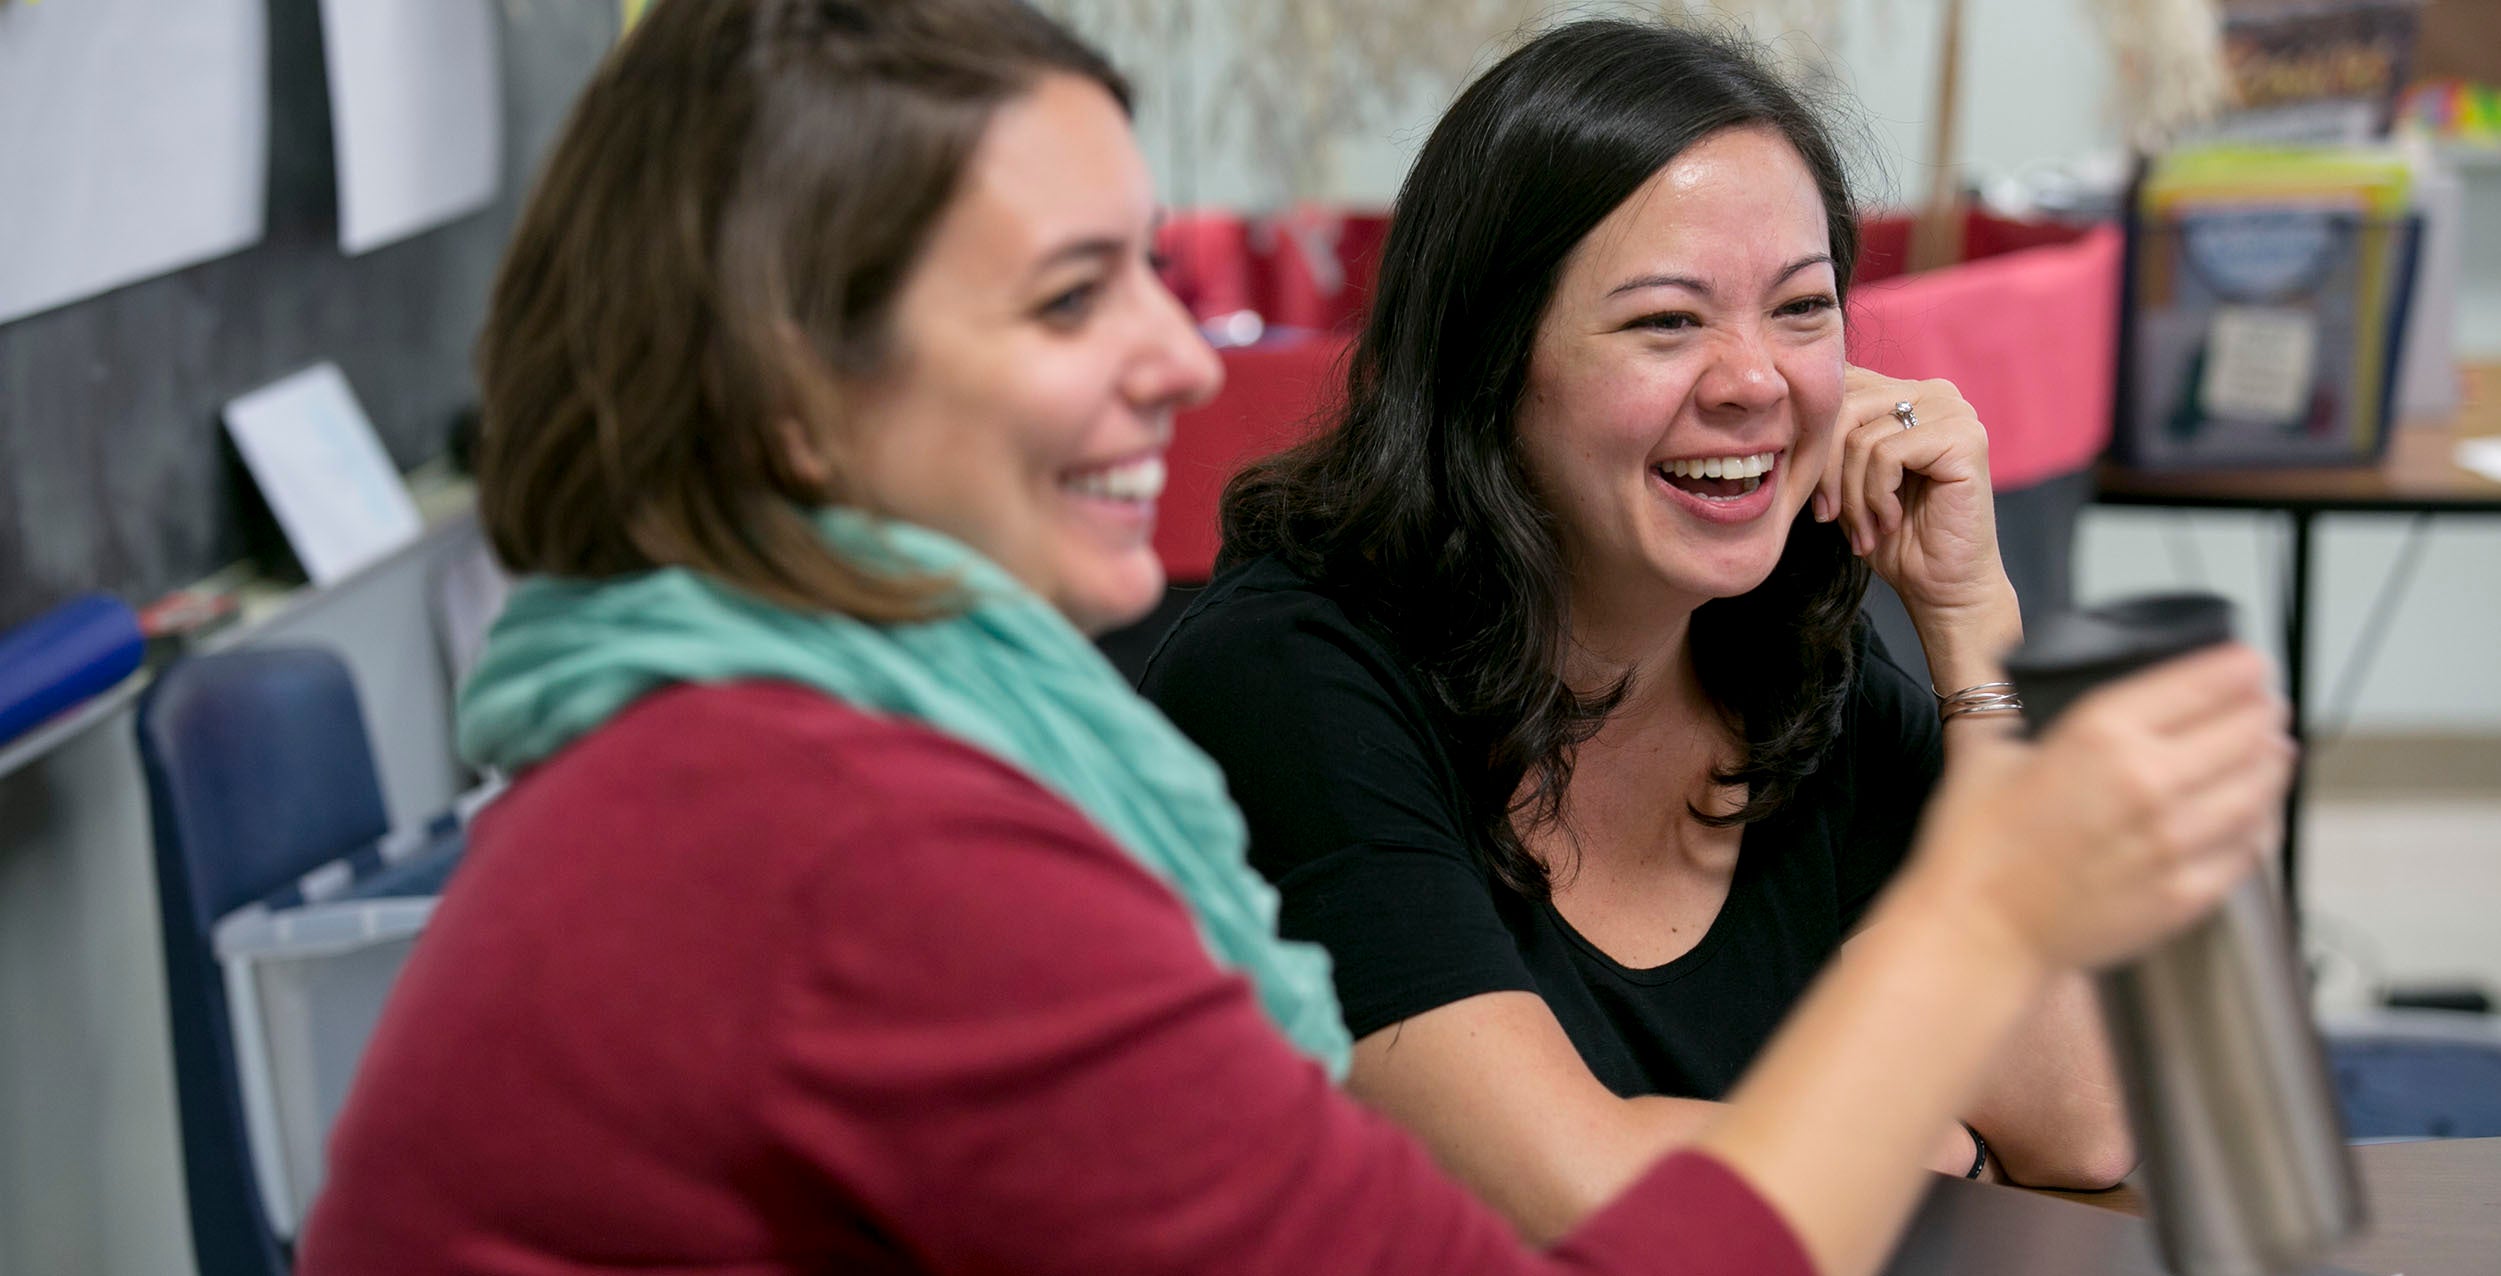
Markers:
(1696, 286)
(1093, 248)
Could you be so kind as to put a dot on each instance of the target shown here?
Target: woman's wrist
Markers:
(1966, 644)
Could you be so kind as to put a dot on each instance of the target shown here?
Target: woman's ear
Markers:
(804, 456)
(806, 451)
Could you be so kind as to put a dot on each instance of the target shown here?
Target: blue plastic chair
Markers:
(258, 770)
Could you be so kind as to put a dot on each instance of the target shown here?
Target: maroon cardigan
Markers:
(749, 981)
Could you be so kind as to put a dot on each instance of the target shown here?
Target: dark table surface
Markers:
(2435, 1208)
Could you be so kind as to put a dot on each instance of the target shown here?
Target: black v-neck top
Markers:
(1357, 813)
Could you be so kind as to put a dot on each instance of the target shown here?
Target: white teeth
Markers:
(1735, 467)
(1139, 480)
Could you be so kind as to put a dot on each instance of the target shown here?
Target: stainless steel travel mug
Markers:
(2244, 1155)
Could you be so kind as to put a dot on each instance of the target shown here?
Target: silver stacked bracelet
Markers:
(1986, 697)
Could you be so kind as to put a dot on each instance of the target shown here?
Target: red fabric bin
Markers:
(1272, 397)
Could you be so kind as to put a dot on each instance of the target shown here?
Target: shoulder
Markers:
(1264, 630)
(1890, 749)
(1268, 654)
(847, 840)
(1883, 693)
(1892, 746)
(797, 780)
(1327, 740)
(760, 738)
(1867, 797)
(1260, 607)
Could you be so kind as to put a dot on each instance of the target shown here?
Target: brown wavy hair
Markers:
(710, 255)
(1414, 505)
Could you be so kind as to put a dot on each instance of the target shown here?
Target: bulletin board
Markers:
(115, 472)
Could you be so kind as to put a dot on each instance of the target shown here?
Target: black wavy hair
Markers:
(1414, 503)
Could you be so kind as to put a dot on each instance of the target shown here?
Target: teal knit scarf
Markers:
(1007, 675)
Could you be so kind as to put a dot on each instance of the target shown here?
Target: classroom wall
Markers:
(2036, 76)
(114, 474)
(114, 469)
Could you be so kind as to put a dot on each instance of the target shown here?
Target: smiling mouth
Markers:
(1718, 478)
(1137, 482)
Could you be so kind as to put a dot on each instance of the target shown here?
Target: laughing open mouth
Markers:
(1137, 481)
(1718, 478)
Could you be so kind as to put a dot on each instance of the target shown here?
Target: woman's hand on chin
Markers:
(1915, 500)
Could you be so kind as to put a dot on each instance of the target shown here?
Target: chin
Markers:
(1111, 595)
(1744, 571)
(1719, 577)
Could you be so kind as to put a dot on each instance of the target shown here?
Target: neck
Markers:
(1665, 739)
(1644, 633)
(1666, 730)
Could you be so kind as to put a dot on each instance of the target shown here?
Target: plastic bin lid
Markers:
(320, 929)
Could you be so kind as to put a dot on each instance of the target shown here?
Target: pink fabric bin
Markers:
(2030, 337)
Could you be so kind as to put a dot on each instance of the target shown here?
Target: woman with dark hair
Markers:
(848, 913)
(1541, 676)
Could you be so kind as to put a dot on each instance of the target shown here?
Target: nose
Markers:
(1175, 368)
(1742, 376)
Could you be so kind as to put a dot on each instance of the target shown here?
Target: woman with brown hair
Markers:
(849, 914)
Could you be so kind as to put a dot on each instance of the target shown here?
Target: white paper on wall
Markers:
(134, 140)
(416, 114)
(320, 466)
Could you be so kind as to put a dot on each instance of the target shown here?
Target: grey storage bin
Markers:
(305, 987)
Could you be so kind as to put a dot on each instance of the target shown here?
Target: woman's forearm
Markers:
(1920, 1008)
(2052, 1107)
(1498, 1092)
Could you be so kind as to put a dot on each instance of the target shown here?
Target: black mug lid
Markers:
(2132, 632)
